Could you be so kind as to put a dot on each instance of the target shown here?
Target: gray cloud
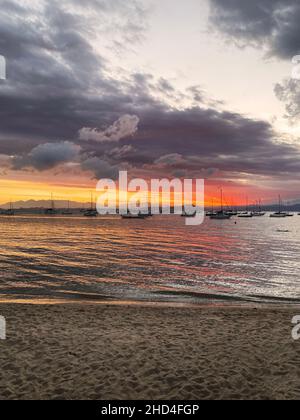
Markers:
(288, 92)
(169, 160)
(100, 168)
(273, 24)
(47, 156)
(125, 126)
(59, 84)
(219, 139)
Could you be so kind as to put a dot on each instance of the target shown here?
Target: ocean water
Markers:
(154, 260)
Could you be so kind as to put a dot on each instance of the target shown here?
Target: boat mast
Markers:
(92, 202)
(280, 204)
(222, 199)
(52, 202)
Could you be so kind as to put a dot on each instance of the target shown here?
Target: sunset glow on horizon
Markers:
(16, 190)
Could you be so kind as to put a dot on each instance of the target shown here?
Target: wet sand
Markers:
(130, 352)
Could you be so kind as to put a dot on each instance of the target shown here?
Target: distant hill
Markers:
(43, 204)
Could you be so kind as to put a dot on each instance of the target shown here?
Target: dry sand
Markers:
(127, 352)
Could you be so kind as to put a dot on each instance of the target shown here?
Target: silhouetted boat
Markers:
(258, 212)
(185, 214)
(221, 215)
(134, 216)
(92, 212)
(51, 210)
(247, 215)
(279, 214)
(10, 211)
(231, 212)
(212, 212)
(68, 211)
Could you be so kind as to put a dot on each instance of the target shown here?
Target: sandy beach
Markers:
(132, 352)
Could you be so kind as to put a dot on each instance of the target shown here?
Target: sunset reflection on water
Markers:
(157, 259)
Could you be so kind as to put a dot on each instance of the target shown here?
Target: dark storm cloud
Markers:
(273, 24)
(56, 82)
(205, 138)
(100, 168)
(58, 85)
(47, 156)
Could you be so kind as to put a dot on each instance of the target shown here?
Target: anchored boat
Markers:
(221, 215)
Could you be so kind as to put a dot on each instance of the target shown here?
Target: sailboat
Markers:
(230, 210)
(134, 216)
(92, 212)
(68, 211)
(212, 212)
(259, 212)
(280, 213)
(51, 210)
(247, 214)
(221, 215)
(10, 211)
(288, 214)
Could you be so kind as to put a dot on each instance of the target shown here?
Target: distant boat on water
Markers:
(232, 212)
(221, 214)
(9, 212)
(68, 211)
(185, 214)
(134, 216)
(279, 213)
(212, 211)
(51, 210)
(92, 212)
(258, 212)
(246, 215)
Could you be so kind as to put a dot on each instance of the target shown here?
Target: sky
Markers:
(160, 88)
